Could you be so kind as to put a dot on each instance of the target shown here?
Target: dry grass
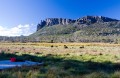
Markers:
(58, 48)
(110, 52)
(64, 59)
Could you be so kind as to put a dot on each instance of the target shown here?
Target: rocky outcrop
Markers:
(54, 21)
(59, 21)
(41, 25)
(85, 20)
(94, 19)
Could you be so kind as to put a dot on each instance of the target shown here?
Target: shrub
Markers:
(67, 54)
(81, 46)
(38, 53)
(52, 41)
(8, 49)
(65, 46)
(100, 54)
(52, 46)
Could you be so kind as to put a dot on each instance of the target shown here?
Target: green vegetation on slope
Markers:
(56, 30)
(97, 32)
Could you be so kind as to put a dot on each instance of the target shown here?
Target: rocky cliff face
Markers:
(85, 20)
(94, 19)
(54, 21)
(59, 21)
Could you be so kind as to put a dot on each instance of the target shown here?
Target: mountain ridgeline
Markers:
(85, 20)
(85, 29)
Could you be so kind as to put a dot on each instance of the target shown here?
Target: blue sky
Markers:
(20, 17)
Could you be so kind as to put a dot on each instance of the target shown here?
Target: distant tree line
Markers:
(62, 39)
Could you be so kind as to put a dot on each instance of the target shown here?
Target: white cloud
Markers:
(17, 31)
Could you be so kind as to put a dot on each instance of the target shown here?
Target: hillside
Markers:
(85, 29)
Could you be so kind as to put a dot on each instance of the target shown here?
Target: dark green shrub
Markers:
(81, 46)
(65, 46)
(52, 46)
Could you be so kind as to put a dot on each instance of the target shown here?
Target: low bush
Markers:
(65, 46)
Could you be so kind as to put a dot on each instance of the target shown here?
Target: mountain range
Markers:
(85, 29)
(80, 21)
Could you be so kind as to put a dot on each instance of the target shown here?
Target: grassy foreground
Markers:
(63, 60)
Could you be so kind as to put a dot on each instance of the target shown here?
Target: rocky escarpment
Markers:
(54, 21)
(94, 19)
(84, 20)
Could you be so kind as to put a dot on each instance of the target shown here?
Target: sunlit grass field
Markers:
(63, 60)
